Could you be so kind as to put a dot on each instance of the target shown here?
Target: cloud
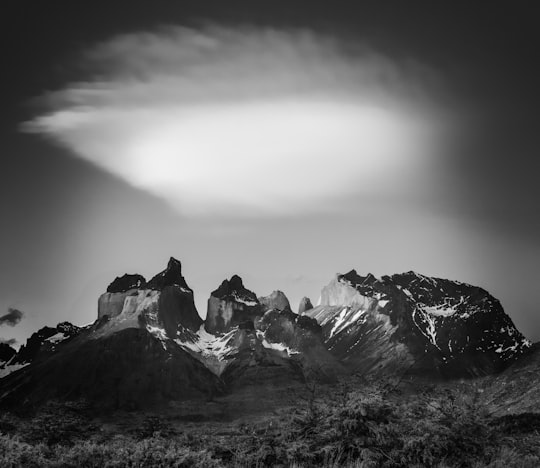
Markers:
(9, 341)
(248, 121)
(12, 318)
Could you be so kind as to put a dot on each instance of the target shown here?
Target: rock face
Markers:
(230, 305)
(305, 305)
(129, 358)
(129, 369)
(410, 321)
(275, 300)
(6, 352)
(40, 345)
(245, 338)
(166, 301)
(302, 337)
(45, 341)
(126, 282)
(149, 345)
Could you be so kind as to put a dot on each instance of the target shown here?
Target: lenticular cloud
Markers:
(246, 121)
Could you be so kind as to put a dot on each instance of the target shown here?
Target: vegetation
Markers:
(373, 427)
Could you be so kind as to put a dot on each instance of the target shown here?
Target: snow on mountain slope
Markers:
(425, 323)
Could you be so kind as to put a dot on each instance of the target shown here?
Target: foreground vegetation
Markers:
(372, 427)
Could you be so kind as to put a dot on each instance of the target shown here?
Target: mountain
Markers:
(230, 305)
(275, 300)
(244, 335)
(128, 357)
(165, 301)
(149, 346)
(42, 343)
(305, 305)
(416, 323)
(6, 352)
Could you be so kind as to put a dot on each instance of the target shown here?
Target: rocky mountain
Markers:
(243, 335)
(166, 302)
(6, 352)
(305, 305)
(416, 323)
(128, 357)
(275, 300)
(42, 343)
(230, 305)
(149, 346)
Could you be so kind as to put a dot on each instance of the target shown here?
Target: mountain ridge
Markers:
(406, 323)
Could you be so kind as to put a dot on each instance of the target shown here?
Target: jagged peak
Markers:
(276, 300)
(126, 282)
(236, 283)
(413, 274)
(234, 288)
(355, 279)
(305, 305)
(174, 263)
(171, 276)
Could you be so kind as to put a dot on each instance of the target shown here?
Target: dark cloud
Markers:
(12, 318)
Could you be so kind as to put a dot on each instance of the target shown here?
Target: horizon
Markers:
(283, 143)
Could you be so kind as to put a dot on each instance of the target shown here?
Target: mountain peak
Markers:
(233, 287)
(231, 304)
(171, 276)
(305, 305)
(446, 326)
(236, 282)
(356, 280)
(126, 282)
(275, 300)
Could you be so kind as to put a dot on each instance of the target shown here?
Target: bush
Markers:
(360, 428)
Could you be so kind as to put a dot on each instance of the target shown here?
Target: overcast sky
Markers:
(284, 143)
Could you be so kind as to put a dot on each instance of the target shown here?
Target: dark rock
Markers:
(302, 336)
(176, 307)
(126, 282)
(275, 300)
(247, 325)
(130, 369)
(38, 344)
(231, 304)
(305, 305)
(234, 289)
(171, 276)
(165, 302)
(410, 321)
(6, 352)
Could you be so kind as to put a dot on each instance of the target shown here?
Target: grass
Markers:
(367, 427)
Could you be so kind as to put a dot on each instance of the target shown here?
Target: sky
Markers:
(281, 141)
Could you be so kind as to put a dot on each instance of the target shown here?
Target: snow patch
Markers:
(279, 347)
(442, 310)
(55, 339)
(243, 300)
(210, 345)
(11, 368)
(159, 333)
